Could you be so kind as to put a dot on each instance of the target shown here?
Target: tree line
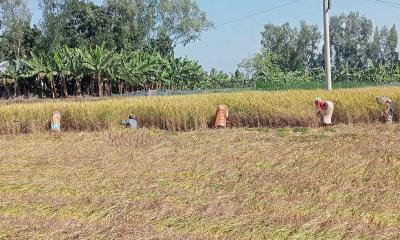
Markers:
(128, 45)
(360, 52)
(119, 46)
(98, 71)
(158, 25)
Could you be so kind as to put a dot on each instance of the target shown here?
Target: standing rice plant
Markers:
(184, 113)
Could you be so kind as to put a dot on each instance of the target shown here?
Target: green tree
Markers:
(374, 50)
(86, 24)
(15, 18)
(16, 72)
(96, 61)
(392, 44)
(74, 67)
(350, 35)
(37, 66)
(60, 61)
(136, 22)
(308, 41)
(131, 22)
(293, 49)
(181, 20)
(6, 79)
(52, 24)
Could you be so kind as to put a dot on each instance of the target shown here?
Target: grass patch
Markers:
(301, 130)
(283, 132)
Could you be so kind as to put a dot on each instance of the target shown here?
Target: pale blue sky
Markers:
(226, 46)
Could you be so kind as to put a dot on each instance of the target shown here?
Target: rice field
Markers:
(258, 183)
(185, 113)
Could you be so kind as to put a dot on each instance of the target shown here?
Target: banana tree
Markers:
(6, 79)
(74, 67)
(167, 72)
(37, 65)
(187, 74)
(146, 68)
(96, 61)
(15, 73)
(60, 61)
(43, 67)
(120, 71)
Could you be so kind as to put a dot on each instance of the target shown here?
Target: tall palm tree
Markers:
(96, 61)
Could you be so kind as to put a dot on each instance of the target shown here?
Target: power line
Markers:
(388, 2)
(385, 3)
(256, 13)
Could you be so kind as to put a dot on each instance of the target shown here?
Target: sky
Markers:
(226, 46)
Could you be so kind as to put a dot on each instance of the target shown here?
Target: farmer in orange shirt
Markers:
(324, 111)
(221, 118)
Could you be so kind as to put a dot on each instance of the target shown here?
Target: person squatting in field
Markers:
(221, 117)
(388, 111)
(324, 111)
(131, 122)
(56, 122)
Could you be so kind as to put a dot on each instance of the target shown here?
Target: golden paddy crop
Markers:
(184, 113)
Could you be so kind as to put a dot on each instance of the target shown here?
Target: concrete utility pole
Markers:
(328, 75)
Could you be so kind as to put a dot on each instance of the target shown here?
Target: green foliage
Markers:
(291, 59)
(97, 71)
(280, 86)
(123, 24)
(292, 49)
(17, 37)
(351, 36)
(82, 47)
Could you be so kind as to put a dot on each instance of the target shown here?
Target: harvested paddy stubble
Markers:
(183, 113)
(340, 183)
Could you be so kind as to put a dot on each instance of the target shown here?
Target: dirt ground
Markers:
(337, 183)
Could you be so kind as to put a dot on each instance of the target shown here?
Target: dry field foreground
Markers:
(340, 183)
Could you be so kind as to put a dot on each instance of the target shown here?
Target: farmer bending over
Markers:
(324, 111)
(131, 122)
(221, 117)
(388, 111)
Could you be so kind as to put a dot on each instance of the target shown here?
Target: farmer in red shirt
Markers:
(324, 111)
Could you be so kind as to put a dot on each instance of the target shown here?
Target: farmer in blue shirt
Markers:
(131, 122)
(56, 122)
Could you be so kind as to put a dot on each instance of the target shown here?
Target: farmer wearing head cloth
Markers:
(388, 111)
(324, 111)
(56, 122)
(221, 117)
